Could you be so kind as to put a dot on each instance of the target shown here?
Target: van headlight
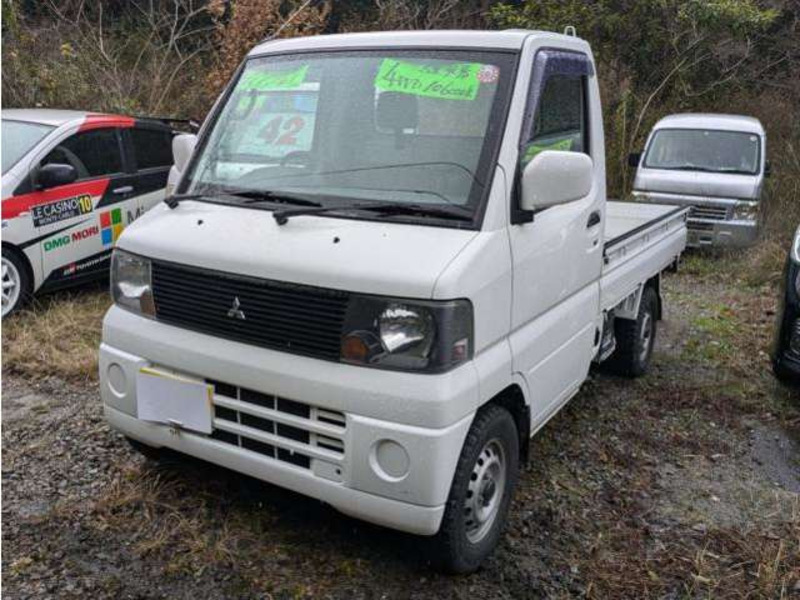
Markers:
(131, 286)
(745, 211)
(407, 335)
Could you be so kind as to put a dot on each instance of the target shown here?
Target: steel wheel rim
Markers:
(646, 335)
(10, 284)
(485, 491)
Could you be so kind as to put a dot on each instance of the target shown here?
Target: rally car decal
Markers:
(14, 206)
(87, 268)
(36, 240)
(67, 208)
(102, 121)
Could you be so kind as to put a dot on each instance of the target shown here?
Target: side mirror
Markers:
(767, 168)
(554, 177)
(634, 158)
(182, 148)
(55, 174)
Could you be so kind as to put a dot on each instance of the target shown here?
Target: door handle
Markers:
(125, 189)
(594, 219)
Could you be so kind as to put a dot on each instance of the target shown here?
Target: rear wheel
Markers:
(16, 283)
(483, 485)
(635, 339)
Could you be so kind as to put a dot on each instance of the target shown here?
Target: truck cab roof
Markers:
(716, 121)
(510, 39)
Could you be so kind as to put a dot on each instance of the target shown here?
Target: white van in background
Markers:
(712, 163)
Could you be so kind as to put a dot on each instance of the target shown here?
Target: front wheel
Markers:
(480, 496)
(16, 282)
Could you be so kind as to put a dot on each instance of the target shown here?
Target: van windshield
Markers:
(416, 127)
(704, 150)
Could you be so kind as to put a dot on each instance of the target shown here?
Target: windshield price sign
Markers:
(454, 81)
(273, 80)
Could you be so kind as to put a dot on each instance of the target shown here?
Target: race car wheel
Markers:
(16, 282)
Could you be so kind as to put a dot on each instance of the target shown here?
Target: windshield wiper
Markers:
(254, 196)
(385, 208)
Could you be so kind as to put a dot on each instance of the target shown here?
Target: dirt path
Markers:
(684, 483)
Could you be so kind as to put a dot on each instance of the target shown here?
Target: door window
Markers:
(153, 148)
(560, 120)
(92, 153)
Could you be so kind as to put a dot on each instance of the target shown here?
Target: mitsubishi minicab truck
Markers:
(388, 262)
(713, 164)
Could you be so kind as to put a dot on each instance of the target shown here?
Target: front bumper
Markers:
(710, 221)
(395, 472)
(721, 234)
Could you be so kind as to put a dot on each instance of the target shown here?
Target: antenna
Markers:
(287, 22)
(570, 31)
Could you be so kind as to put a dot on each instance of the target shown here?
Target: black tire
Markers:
(149, 452)
(634, 350)
(784, 375)
(458, 547)
(14, 260)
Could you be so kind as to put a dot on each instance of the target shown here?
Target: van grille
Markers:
(291, 318)
(276, 427)
(699, 226)
(713, 213)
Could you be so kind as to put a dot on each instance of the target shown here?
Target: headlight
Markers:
(745, 211)
(407, 335)
(130, 283)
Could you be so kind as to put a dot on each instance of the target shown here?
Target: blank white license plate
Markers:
(166, 398)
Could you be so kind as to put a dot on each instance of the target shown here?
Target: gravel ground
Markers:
(685, 483)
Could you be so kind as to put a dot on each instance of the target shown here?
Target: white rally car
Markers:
(72, 181)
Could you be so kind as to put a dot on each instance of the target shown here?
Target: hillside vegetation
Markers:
(173, 57)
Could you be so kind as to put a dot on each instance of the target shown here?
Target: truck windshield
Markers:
(18, 138)
(415, 127)
(704, 150)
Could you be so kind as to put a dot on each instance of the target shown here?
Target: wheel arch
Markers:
(512, 398)
(655, 283)
(26, 262)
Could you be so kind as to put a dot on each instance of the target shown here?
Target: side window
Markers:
(93, 153)
(560, 119)
(153, 148)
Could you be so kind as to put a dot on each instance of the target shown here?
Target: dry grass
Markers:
(57, 335)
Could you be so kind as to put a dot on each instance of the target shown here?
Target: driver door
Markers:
(557, 252)
(76, 224)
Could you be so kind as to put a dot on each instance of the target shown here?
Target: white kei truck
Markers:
(388, 262)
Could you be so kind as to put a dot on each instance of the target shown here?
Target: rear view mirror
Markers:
(554, 177)
(634, 158)
(55, 174)
(182, 148)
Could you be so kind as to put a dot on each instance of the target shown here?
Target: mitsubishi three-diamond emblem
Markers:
(234, 312)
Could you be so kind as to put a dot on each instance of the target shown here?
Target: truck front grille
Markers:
(276, 427)
(287, 317)
(712, 213)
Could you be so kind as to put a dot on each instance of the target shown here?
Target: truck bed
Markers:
(641, 241)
